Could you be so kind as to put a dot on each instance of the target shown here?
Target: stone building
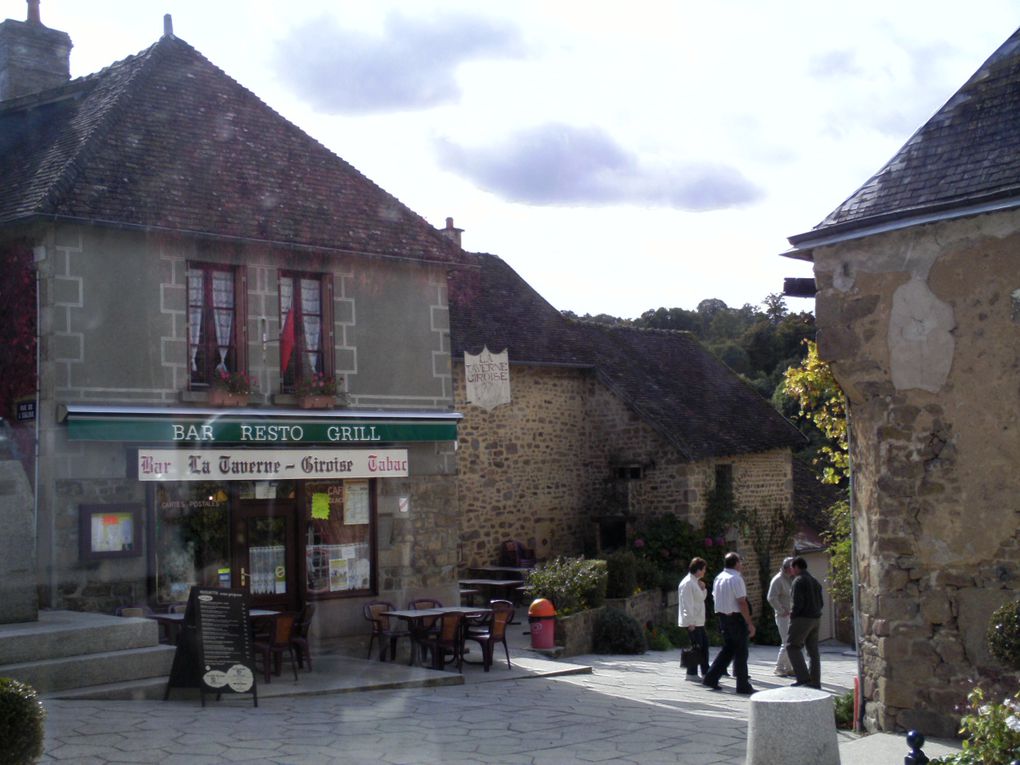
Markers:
(183, 235)
(918, 311)
(607, 427)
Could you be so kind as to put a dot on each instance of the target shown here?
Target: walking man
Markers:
(804, 622)
(692, 592)
(735, 624)
(780, 597)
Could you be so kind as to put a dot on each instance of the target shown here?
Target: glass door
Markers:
(264, 553)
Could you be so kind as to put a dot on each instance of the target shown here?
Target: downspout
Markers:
(854, 578)
(38, 256)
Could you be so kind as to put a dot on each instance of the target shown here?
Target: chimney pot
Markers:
(168, 25)
(33, 12)
(452, 233)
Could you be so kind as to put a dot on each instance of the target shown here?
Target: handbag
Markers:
(690, 658)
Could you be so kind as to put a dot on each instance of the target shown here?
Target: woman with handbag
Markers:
(692, 593)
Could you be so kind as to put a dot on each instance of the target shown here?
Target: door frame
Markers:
(244, 510)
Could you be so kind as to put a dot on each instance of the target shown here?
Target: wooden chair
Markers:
(299, 638)
(423, 627)
(272, 645)
(449, 640)
(515, 554)
(494, 631)
(382, 628)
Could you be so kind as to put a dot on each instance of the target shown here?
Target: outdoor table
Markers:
(414, 617)
(514, 571)
(173, 622)
(506, 587)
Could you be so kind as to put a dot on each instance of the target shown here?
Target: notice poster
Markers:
(112, 532)
(355, 502)
(338, 574)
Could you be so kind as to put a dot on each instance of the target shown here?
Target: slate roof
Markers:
(166, 140)
(677, 387)
(965, 157)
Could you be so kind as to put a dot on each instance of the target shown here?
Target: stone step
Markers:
(50, 675)
(72, 633)
(129, 690)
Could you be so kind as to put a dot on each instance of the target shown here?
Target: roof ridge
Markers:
(108, 112)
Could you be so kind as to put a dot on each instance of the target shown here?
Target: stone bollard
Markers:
(792, 725)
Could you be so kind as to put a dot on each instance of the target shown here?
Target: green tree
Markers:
(823, 403)
(837, 536)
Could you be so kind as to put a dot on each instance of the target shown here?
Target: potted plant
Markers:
(230, 388)
(317, 391)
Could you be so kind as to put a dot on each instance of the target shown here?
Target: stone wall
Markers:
(922, 327)
(538, 470)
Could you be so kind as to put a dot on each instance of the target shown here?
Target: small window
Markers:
(214, 323)
(305, 328)
(724, 484)
(629, 472)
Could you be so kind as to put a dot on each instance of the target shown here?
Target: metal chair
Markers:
(133, 611)
(493, 631)
(449, 639)
(299, 638)
(382, 628)
(272, 645)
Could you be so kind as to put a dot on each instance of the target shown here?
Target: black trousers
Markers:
(699, 639)
(735, 636)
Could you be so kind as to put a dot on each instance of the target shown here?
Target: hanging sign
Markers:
(487, 378)
(268, 464)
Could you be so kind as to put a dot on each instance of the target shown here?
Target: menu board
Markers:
(214, 652)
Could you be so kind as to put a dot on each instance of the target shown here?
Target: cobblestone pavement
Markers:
(635, 709)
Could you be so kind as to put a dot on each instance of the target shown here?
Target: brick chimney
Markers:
(33, 57)
(451, 233)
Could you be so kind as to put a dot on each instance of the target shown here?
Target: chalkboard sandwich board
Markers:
(214, 651)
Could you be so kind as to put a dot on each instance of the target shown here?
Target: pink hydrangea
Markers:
(639, 543)
(708, 541)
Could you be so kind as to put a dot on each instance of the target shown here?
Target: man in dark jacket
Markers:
(804, 622)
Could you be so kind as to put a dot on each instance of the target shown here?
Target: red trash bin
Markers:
(542, 617)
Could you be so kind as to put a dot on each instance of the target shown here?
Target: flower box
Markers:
(223, 397)
(316, 401)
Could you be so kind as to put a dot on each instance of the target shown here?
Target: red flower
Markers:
(708, 541)
(639, 543)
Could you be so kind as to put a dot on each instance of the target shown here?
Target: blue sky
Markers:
(619, 156)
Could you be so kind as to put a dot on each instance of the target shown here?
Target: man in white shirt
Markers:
(730, 595)
(780, 597)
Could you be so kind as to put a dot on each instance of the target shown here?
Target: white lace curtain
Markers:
(223, 312)
(196, 288)
(311, 322)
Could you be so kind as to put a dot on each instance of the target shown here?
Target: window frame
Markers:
(288, 380)
(208, 343)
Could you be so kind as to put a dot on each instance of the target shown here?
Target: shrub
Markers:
(21, 722)
(572, 584)
(1004, 634)
(621, 571)
(657, 639)
(844, 709)
(648, 575)
(992, 732)
(678, 636)
(617, 632)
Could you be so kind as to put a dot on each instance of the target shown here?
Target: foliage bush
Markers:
(666, 544)
(621, 571)
(572, 584)
(647, 573)
(992, 732)
(843, 706)
(21, 723)
(1004, 634)
(678, 636)
(657, 639)
(617, 632)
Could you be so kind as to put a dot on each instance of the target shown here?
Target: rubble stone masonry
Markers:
(922, 328)
(538, 470)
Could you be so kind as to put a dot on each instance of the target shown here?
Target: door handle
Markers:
(244, 575)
